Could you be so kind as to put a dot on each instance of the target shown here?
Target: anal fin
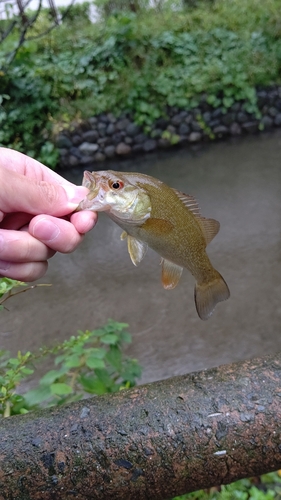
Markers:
(171, 274)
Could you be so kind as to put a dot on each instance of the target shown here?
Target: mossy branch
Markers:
(151, 442)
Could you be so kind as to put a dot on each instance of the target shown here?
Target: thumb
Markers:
(22, 194)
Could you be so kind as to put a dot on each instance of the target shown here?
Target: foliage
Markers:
(138, 63)
(267, 487)
(90, 363)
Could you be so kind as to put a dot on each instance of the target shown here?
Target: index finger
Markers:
(22, 164)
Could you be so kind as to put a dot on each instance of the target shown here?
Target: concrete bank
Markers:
(107, 137)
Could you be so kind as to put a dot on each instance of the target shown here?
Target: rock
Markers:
(277, 120)
(149, 145)
(128, 140)
(162, 123)
(111, 118)
(156, 133)
(109, 151)
(137, 148)
(63, 141)
(99, 156)
(251, 127)
(63, 152)
(123, 149)
(207, 116)
(103, 118)
(90, 136)
(140, 138)
(101, 128)
(267, 122)
(183, 114)
(195, 126)
(242, 117)
(122, 124)
(87, 159)
(221, 131)
(195, 137)
(110, 129)
(272, 111)
(278, 104)
(235, 129)
(184, 129)
(75, 152)
(73, 160)
(183, 138)
(164, 143)
(176, 119)
(172, 110)
(76, 140)
(171, 129)
(132, 129)
(88, 148)
(236, 107)
(93, 120)
(214, 123)
(116, 138)
(217, 113)
(188, 119)
(103, 141)
(228, 118)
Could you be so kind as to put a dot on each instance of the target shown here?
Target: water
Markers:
(237, 183)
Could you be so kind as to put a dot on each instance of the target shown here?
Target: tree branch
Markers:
(151, 442)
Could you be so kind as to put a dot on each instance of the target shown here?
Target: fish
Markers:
(153, 214)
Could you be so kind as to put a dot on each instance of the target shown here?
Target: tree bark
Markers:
(151, 442)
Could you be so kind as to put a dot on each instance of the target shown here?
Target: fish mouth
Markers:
(95, 198)
(89, 180)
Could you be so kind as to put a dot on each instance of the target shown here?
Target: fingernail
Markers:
(2, 242)
(45, 230)
(4, 265)
(75, 193)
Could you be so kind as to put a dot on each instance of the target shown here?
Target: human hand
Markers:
(36, 218)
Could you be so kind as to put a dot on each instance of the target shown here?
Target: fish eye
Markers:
(117, 185)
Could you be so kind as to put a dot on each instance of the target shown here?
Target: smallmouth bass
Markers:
(153, 214)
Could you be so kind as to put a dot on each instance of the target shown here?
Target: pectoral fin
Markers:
(123, 236)
(137, 249)
(171, 274)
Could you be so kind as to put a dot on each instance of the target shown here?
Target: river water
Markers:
(237, 183)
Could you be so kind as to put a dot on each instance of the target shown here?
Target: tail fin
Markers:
(207, 295)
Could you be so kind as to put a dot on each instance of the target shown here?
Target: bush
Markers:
(138, 63)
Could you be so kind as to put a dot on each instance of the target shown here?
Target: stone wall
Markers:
(105, 136)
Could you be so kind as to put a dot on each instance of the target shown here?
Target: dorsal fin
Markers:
(210, 227)
(189, 201)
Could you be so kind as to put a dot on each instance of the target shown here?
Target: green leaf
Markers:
(114, 357)
(27, 371)
(93, 386)
(93, 362)
(125, 337)
(52, 375)
(110, 338)
(37, 396)
(60, 389)
(73, 362)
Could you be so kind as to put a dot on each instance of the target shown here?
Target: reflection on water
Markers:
(237, 183)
